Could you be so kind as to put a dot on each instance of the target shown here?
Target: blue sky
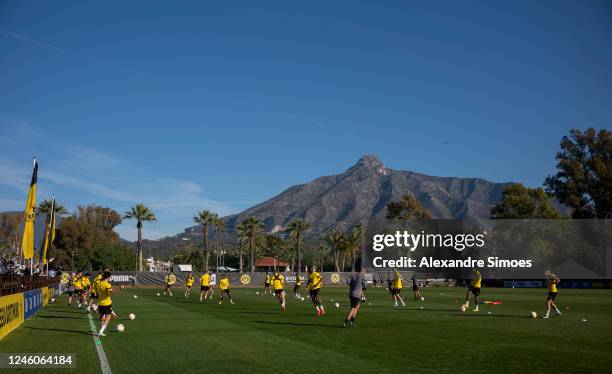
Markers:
(193, 105)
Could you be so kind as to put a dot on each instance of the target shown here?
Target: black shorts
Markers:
(475, 291)
(552, 296)
(105, 309)
(354, 301)
(70, 293)
(227, 291)
(188, 286)
(296, 287)
(396, 291)
(415, 288)
(315, 293)
(93, 296)
(204, 288)
(267, 285)
(278, 292)
(168, 286)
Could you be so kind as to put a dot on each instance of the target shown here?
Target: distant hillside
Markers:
(361, 192)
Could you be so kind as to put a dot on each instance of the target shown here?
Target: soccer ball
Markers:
(257, 293)
(337, 305)
(158, 294)
(421, 307)
(135, 296)
(302, 299)
(132, 316)
(53, 299)
(463, 307)
(120, 328)
(534, 315)
(422, 298)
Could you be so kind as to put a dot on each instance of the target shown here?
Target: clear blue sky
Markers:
(220, 105)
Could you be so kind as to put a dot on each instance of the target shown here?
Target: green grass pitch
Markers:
(171, 334)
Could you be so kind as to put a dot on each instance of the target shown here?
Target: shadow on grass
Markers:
(59, 317)
(297, 324)
(60, 330)
(484, 315)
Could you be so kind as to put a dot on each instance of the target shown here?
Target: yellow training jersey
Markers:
(398, 282)
(77, 283)
(205, 279)
(85, 282)
(315, 281)
(170, 279)
(552, 285)
(268, 279)
(96, 283)
(65, 278)
(477, 280)
(224, 284)
(189, 281)
(298, 280)
(278, 282)
(104, 293)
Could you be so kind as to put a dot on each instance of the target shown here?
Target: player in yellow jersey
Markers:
(205, 288)
(105, 303)
(551, 282)
(315, 282)
(170, 280)
(267, 282)
(71, 290)
(474, 289)
(94, 295)
(396, 288)
(86, 288)
(224, 287)
(78, 287)
(297, 286)
(278, 283)
(188, 284)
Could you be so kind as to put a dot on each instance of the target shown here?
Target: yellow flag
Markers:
(27, 244)
(49, 233)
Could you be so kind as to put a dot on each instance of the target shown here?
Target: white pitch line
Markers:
(98, 343)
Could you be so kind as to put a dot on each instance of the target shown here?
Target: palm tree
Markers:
(334, 239)
(141, 214)
(296, 228)
(253, 230)
(241, 231)
(353, 244)
(45, 208)
(219, 229)
(205, 218)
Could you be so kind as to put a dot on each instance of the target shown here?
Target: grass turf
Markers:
(172, 334)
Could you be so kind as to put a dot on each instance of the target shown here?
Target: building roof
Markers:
(269, 261)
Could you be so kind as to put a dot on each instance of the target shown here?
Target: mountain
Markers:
(363, 191)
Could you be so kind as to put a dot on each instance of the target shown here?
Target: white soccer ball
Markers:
(584, 320)
(421, 307)
(120, 328)
(257, 293)
(53, 299)
(132, 316)
(337, 305)
(463, 307)
(158, 294)
(422, 298)
(534, 315)
(302, 299)
(135, 296)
